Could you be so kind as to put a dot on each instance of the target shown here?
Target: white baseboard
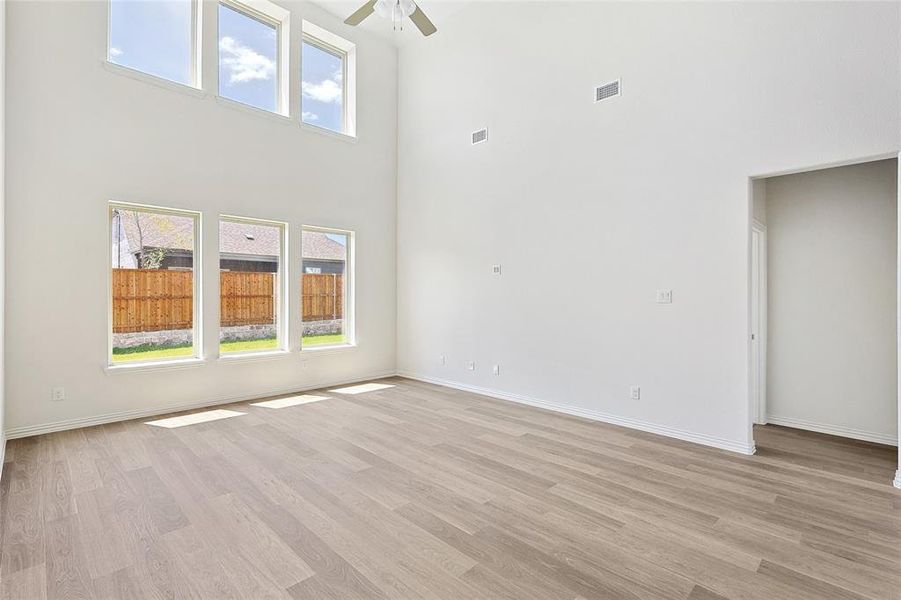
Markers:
(688, 436)
(127, 415)
(839, 430)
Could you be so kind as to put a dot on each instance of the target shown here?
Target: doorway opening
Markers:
(823, 312)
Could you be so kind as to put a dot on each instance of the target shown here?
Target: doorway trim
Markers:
(758, 338)
(897, 481)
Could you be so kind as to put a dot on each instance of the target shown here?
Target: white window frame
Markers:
(347, 50)
(196, 79)
(350, 339)
(281, 316)
(273, 15)
(196, 262)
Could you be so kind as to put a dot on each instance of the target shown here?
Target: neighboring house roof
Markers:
(243, 238)
(176, 233)
(319, 246)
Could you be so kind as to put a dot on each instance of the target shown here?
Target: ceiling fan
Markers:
(395, 10)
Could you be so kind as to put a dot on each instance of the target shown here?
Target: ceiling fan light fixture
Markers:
(395, 10)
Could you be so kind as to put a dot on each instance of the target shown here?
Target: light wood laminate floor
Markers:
(417, 491)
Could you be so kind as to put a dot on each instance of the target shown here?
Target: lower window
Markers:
(250, 285)
(152, 282)
(326, 298)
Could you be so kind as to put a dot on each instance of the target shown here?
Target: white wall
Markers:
(2, 228)
(591, 207)
(80, 135)
(832, 249)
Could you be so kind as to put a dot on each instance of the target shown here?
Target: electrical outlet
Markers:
(495, 269)
(664, 296)
(58, 394)
(471, 366)
(635, 392)
(442, 360)
(496, 370)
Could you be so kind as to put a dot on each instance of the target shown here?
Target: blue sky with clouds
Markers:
(155, 37)
(322, 88)
(248, 51)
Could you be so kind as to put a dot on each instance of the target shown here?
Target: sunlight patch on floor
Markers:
(290, 401)
(194, 418)
(362, 388)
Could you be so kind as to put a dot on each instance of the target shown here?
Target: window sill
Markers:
(254, 356)
(253, 110)
(160, 365)
(326, 350)
(234, 104)
(350, 139)
(175, 86)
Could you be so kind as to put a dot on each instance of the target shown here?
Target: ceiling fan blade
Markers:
(361, 13)
(422, 22)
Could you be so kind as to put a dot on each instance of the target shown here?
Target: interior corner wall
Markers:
(80, 134)
(832, 361)
(591, 207)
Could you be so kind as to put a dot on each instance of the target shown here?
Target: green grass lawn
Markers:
(334, 339)
(149, 353)
(248, 346)
(146, 353)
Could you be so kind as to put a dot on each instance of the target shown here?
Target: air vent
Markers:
(480, 136)
(607, 90)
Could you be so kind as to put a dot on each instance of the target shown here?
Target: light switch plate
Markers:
(635, 392)
(495, 269)
(664, 296)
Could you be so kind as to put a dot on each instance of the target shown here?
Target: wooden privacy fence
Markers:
(152, 300)
(246, 298)
(322, 296)
(157, 300)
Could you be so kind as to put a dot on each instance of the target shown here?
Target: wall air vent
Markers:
(607, 90)
(480, 136)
